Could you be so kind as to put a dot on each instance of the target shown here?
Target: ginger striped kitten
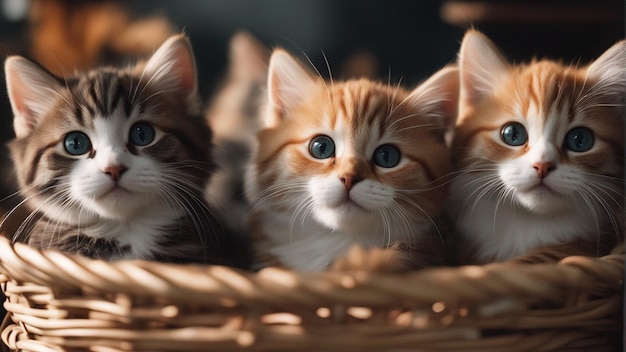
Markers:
(352, 163)
(113, 161)
(233, 115)
(539, 148)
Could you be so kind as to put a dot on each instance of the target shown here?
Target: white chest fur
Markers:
(306, 245)
(502, 230)
(141, 235)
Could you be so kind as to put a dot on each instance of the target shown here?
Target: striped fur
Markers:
(503, 205)
(307, 212)
(119, 200)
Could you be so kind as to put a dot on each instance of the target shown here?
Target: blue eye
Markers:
(77, 143)
(387, 156)
(322, 147)
(579, 139)
(141, 134)
(514, 134)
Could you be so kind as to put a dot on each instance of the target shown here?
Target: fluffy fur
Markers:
(113, 162)
(308, 211)
(538, 199)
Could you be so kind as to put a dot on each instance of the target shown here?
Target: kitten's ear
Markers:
(438, 96)
(482, 66)
(32, 93)
(172, 68)
(289, 83)
(610, 72)
(248, 57)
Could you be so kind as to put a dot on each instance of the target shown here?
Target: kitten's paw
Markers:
(371, 259)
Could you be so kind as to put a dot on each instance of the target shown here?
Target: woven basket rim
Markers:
(59, 302)
(197, 283)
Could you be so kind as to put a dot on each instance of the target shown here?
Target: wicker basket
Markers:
(57, 302)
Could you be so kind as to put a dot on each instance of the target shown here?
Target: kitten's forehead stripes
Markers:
(361, 107)
(102, 93)
(548, 90)
(78, 113)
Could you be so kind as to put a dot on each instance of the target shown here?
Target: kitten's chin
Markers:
(345, 216)
(118, 204)
(115, 194)
(543, 200)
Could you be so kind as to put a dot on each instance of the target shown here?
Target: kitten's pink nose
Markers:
(115, 171)
(543, 168)
(350, 180)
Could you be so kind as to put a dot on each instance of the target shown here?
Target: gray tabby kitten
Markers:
(113, 162)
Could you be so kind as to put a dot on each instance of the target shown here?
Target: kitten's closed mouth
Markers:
(349, 204)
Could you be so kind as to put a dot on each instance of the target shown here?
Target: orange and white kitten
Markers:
(539, 148)
(233, 114)
(352, 163)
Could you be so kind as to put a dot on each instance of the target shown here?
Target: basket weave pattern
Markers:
(59, 302)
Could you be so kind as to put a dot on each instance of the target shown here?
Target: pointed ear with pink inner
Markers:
(33, 92)
(438, 97)
(482, 67)
(289, 83)
(172, 68)
(609, 73)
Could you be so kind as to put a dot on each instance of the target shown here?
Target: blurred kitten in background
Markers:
(79, 35)
(232, 114)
